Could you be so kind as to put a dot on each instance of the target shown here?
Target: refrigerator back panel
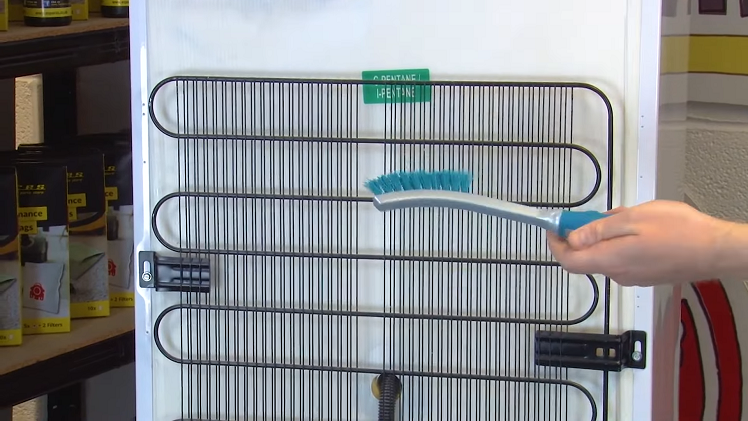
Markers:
(306, 302)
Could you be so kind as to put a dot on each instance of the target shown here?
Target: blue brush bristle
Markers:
(421, 180)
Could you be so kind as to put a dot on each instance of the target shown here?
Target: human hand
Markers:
(657, 242)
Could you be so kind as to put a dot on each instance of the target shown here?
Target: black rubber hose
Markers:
(389, 387)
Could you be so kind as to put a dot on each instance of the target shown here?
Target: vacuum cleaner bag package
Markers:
(10, 261)
(117, 150)
(43, 226)
(87, 219)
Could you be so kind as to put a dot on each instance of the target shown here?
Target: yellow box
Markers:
(80, 9)
(15, 10)
(3, 15)
(94, 6)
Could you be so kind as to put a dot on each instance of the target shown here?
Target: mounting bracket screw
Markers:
(636, 355)
(147, 276)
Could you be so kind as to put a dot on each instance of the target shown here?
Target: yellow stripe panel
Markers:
(673, 57)
(718, 54)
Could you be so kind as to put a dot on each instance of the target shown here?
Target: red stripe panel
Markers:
(691, 398)
(717, 308)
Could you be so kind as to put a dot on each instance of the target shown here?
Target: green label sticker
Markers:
(389, 94)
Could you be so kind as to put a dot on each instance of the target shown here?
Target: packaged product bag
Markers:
(118, 175)
(44, 243)
(87, 219)
(10, 261)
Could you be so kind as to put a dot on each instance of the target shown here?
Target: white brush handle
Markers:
(469, 202)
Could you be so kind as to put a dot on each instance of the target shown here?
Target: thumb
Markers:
(603, 229)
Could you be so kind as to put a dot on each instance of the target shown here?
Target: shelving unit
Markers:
(45, 363)
(57, 364)
(57, 53)
(26, 50)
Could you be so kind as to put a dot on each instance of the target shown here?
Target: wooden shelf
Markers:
(48, 362)
(84, 332)
(20, 32)
(28, 50)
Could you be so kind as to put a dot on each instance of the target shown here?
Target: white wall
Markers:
(716, 176)
(716, 148)
(708, 165)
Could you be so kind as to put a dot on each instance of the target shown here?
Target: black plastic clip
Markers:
(174, 273)
(590, 351)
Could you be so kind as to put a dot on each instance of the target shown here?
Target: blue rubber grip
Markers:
(571, 220)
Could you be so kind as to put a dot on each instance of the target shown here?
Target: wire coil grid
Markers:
(314, 294)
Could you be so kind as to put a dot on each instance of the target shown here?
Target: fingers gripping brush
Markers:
(451, 189)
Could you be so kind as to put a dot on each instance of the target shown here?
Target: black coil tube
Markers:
(389, 389)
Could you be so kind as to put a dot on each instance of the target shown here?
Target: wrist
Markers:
(731, 257)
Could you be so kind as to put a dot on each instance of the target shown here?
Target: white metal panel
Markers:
(656, 310)
(141, 205)
(587, 41)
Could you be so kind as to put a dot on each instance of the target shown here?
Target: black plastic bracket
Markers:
(174, 273)
(590, 351)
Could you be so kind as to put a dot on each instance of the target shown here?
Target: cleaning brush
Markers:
(452, 189)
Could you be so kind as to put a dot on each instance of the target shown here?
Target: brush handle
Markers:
(568, 221)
